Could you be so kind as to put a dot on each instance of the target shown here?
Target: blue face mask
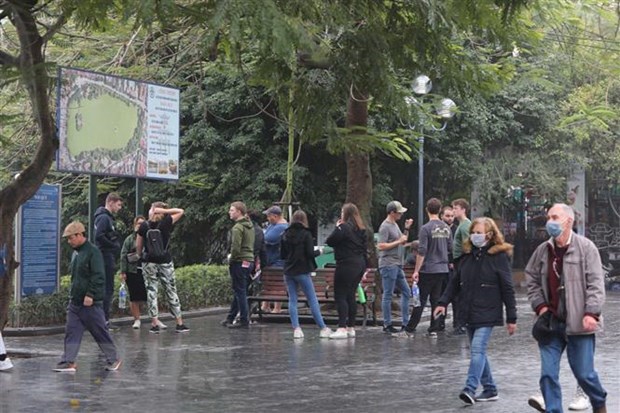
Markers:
(479, 240)
(554, 228)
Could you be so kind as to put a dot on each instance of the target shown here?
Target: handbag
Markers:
(547, 327)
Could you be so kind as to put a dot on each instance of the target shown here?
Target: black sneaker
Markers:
(65, 367)
(239, 325)
(467, 398)
(390, 329)
(154, 330)
(459, 331)
(182, 328)
(487, 396)
(225, 322)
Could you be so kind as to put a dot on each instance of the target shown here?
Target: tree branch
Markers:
(58, 24)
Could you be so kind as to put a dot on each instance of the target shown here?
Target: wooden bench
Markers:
(270, 286)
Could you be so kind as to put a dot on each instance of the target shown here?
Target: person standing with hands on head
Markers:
(154, 238)
(85, 310)
(108, 241)
(240, 264)
(431, 265)
(484, 281)
(298, 253)
(131, 272)
(391, 246)
(349, 243)
(565, 284)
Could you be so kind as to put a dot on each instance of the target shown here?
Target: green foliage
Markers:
(198, 286)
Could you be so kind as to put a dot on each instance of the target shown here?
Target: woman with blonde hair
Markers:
(484, 282)
(349, 242)
(297, 251)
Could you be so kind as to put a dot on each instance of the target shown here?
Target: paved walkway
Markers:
(213, 369)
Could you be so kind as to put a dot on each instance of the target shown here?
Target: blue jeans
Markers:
(305, 282)
(580, 353)
(390, 277)
(239, 276)
(479, 372)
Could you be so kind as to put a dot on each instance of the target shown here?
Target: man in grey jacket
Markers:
(565, 276)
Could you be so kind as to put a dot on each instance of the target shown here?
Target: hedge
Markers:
(198, 286)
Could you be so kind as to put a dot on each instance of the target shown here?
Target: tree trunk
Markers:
(34, 76)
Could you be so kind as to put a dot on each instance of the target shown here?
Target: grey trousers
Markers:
(80, 319)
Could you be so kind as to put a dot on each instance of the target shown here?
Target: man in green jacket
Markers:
(240, 264)
(85, 311)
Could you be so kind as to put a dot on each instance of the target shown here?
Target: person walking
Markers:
(153, 239)
(349, 243)
(565, 284)
(131, 272)
(108, 241)
(298, 253)
(390, 245)
(484, 282)
(431, 266)
(5, 361)
(85, 310)
(240, 264)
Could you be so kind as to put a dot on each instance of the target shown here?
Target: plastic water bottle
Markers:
(415, 294)
(122, 296)
(361, 296)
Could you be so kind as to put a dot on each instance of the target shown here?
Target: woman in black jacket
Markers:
(349, 243)
(297, 251)
(484, 281)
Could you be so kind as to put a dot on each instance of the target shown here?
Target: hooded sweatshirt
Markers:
(297, 250)
(242, 241)
(106, 237)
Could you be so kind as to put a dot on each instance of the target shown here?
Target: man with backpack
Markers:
(153, 238)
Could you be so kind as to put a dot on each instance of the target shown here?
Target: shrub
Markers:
(198, 286)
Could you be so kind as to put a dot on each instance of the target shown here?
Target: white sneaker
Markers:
(6, 364)
(339, 334)
(326, 332)
(537, 402)
(580, 402)
(136, 325)
(297, 333)
(161, 325)
(351, 332)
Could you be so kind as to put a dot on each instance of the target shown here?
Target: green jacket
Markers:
(461, 234)
(242, 241)
(129, 246)
(87, 274)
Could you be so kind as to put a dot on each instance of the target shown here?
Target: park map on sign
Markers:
(103, 124)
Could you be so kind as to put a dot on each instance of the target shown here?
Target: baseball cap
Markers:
(273, 210)
(395, 206)
(76, 227)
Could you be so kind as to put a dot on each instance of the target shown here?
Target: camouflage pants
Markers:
(153, 275)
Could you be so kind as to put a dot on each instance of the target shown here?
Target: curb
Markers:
(122, 321)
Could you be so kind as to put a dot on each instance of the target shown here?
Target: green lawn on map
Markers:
(107, 123)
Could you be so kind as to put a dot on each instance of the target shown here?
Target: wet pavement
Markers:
(214, 369)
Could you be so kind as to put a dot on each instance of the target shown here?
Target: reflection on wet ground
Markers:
(214, 369)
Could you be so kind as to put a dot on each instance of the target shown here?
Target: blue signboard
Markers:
(39, 242)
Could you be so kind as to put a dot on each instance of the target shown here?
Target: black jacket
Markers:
(106, 237)
(484, 282)
(348, 242)
(297, 250)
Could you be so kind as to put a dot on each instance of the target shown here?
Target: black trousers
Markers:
(347, 276)
(431, 286)
(109, 263)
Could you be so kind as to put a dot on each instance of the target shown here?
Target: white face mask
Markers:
(478, 240)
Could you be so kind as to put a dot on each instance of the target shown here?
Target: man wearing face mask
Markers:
(564, 276)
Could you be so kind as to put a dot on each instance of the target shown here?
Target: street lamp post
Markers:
(421, 86)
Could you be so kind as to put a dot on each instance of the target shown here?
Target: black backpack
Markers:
(154, 244)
